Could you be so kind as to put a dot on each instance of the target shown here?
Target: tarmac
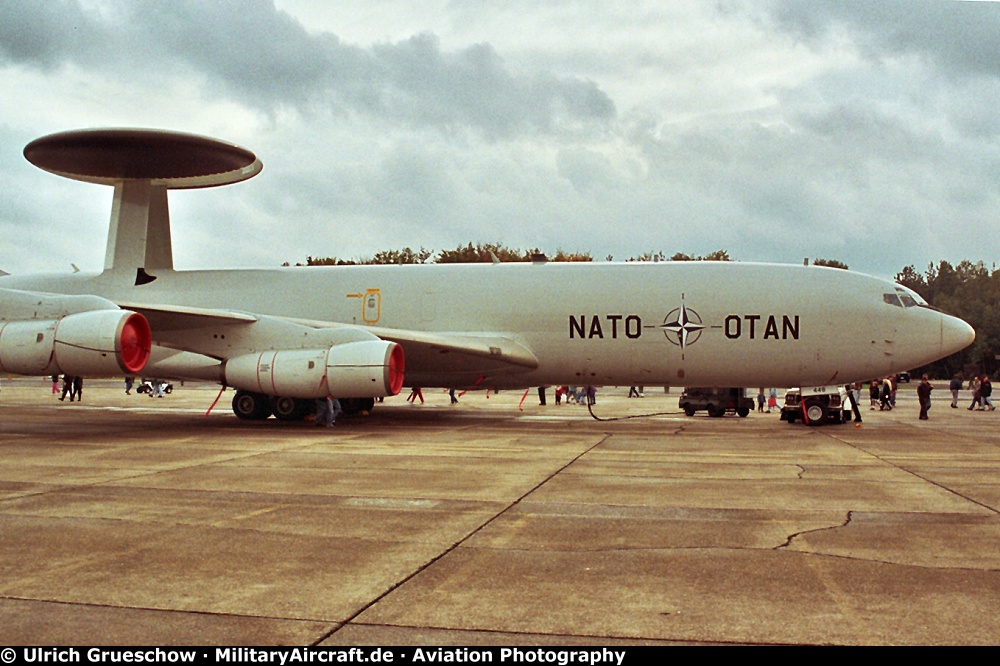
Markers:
(129, 520)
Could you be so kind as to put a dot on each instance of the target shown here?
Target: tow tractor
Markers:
(814, 405)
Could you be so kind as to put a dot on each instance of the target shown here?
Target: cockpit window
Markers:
(892, 299)
(909, 294)
(908, 301)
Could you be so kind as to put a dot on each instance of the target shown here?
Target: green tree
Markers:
(971, 292)
(911, 279)
(718, 255)
(404, 256)
(330, 261)
(649, 256)
(572, 256)
(483, 253)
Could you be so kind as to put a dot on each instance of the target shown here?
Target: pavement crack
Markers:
(792, 537)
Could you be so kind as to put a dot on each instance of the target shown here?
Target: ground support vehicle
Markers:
(816, 405)
(146, 386)
(716, 401)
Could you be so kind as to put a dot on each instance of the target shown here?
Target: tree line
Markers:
(489, 252)
(484, 253)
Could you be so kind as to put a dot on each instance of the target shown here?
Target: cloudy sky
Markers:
(864, 131)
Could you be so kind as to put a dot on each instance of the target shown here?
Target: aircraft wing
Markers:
(175, 317)
(425, 352)
(460, 352)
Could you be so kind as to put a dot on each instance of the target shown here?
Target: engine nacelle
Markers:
(363, 369)
(97, 343)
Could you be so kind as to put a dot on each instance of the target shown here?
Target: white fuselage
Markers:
(670, 323)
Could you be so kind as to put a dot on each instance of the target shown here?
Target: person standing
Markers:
(851, 406)
(955, 386)
(977, 396)
(924, 397)
(327, 411)
(985, 391)
(67, 389)
(885, 403)
(322, 412)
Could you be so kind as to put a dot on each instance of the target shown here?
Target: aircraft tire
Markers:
(251, 406)
(290, 409)
(816, 412)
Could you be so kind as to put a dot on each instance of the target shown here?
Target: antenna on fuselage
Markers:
(141, 164)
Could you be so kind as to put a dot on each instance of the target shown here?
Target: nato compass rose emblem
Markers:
(682, 326)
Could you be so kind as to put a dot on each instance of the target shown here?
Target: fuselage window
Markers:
(892, 299)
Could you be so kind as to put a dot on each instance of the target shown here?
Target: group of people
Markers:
(771, 401)
(982, 391)
(882, 393)
(71, 386)
(580, 395)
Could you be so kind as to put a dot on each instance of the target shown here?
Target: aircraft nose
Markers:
(955, 334)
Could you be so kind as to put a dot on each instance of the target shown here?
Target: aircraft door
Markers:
(371, 309)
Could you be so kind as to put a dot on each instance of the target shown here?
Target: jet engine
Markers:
(96, 343)
(362, 369)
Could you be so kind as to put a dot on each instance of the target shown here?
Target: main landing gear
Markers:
(251, 406)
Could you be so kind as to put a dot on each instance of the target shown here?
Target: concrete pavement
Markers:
(136, 521)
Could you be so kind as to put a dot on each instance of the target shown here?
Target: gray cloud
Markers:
(960, 37)
(268, 60)
(864, 132)
(45, 34)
